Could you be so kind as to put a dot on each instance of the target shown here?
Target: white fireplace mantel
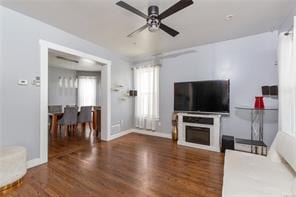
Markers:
(214, 131)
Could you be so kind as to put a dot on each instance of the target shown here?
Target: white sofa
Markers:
(252, 175)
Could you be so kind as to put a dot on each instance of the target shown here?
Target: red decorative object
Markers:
(259, 103)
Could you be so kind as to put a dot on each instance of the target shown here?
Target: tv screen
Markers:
(202, 96)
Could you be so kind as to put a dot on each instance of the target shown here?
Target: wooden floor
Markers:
(133, 165)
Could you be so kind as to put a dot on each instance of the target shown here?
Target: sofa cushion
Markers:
(247, 174)
(285, 146)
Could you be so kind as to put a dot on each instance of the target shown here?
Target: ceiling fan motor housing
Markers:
(153, 20)
(153, 10)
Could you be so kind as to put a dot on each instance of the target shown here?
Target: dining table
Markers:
(96, 121)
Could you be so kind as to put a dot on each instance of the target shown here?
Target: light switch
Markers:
(22, 82)
(36, 81)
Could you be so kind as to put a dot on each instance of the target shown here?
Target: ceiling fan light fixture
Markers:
(152, 20)
(153, 24)
(153, 28)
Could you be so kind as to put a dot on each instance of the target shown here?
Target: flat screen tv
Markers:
(202, 96)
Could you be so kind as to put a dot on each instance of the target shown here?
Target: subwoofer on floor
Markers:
(227, 143)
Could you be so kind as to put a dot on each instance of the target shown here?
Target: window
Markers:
(87, 90)
(146, 82)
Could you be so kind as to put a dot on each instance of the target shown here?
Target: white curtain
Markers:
(87, 90)
(287, 84)
(146, 82)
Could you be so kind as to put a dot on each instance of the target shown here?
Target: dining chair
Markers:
(53, 109)
(69, 119)
(72, 106)
(85, 116)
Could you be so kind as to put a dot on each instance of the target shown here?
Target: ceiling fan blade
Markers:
(175, 8)
(131, 9)
(168, 30)
(137, 31)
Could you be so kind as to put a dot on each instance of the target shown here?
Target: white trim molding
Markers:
(45, 46)
(120, 134)
(34, 162)
(140, 131)
(152, 133)
(43, 104)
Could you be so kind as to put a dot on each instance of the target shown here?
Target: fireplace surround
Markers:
(199, 131)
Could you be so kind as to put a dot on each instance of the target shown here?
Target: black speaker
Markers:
(273, 90)
(265, 90)
(227, 143)
(133, 92)
(270, 90)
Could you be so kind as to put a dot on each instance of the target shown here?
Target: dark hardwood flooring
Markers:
(133, 165)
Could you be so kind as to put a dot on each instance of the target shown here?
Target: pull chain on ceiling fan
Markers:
(153, 19)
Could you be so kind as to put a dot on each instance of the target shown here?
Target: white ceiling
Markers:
(107, 25)
(81, 64)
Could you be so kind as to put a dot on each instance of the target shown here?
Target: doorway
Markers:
(105, 98)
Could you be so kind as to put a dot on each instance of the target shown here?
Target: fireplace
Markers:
(199, 131)
(197, 135)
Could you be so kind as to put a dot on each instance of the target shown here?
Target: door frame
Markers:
(45, 46)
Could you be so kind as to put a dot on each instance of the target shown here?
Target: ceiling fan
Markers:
(154, 18)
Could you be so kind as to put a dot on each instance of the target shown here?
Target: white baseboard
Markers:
(140, 131)
(34, 162)
(120, 134)
(152, 133)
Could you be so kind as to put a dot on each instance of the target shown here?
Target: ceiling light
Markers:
(229, 17)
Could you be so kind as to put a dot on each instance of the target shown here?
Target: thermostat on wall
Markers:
(22, 82)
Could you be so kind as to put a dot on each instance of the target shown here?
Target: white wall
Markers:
(248, 62)
(57, 95)
(122, 77)
(21, 60)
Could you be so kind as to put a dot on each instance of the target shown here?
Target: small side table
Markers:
(253, 143)
(256, 118)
